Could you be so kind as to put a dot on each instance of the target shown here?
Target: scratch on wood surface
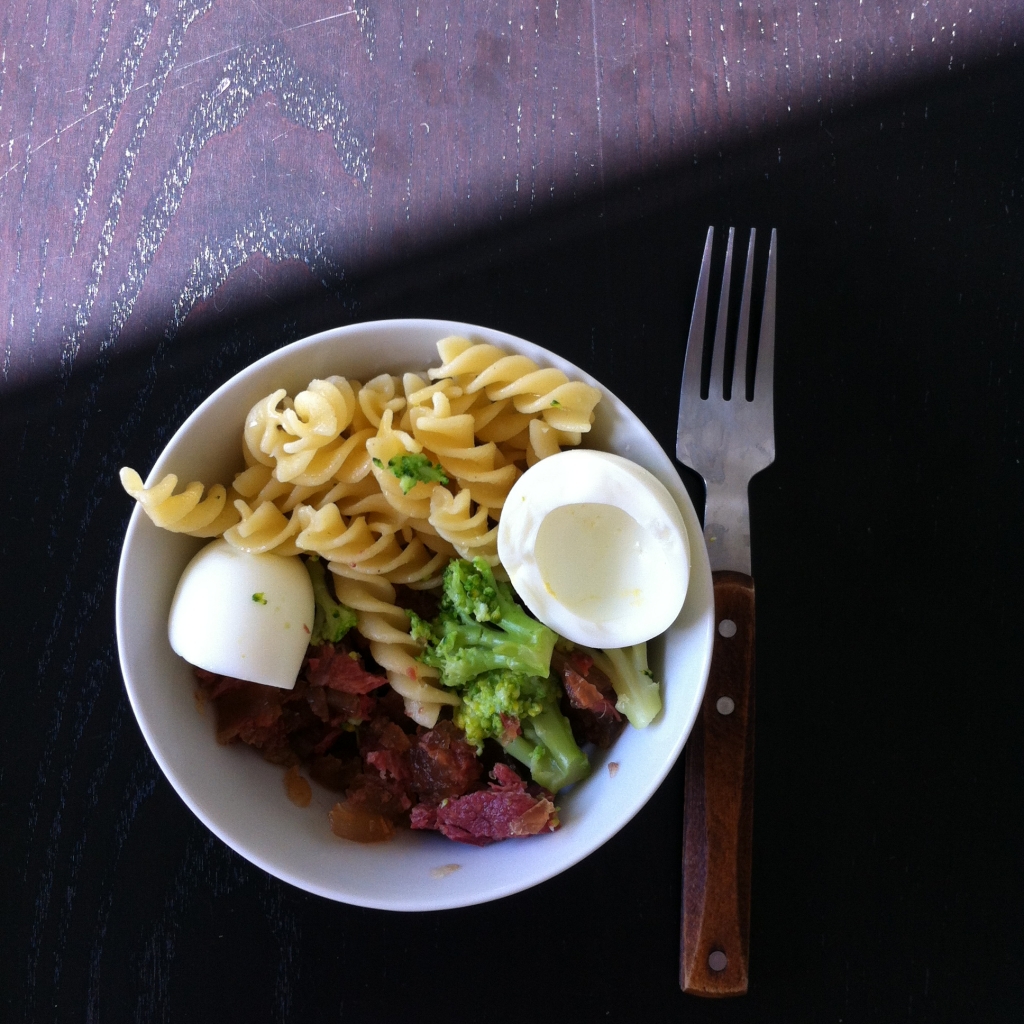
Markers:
(203, 60)
(35, 149)
(597, 91)
(265, 39)
(320, 21)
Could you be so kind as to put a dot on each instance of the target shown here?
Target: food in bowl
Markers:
(445, 681)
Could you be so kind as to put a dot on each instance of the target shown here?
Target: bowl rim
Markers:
(699, 576)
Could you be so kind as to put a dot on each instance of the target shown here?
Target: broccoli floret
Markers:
(480, 628)
(473, 595)
(471, 591)
(419, 629)
(331, 620)
(414, 469)
(498, 659)
(463, 651)
(490, 701)
(548, 749)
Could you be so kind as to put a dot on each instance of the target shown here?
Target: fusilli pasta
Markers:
(188, 512)
(317, 480)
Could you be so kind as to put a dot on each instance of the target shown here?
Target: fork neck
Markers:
(727, 529)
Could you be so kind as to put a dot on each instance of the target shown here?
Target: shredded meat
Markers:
(351, 734)
(443, 764)
(247, 711)
(434, 765)
(340, 669)
(333, 772)
(503, 811)
(290, 726)
(590, 705)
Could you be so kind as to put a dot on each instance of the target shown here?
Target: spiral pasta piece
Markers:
(468, 532)
(265, 530)
(386, 626)
(381, 516)
(386, 445)
(252, 481)
(319, 414)
(543, 440)
(565, 404)
(419, 393)
(379, 395)
(264, 433)
(258, 484)
(188, 512)
(546, 391)
(421, 568)
(321, 449)
(499, 421)
(451, 438)
(325, 532)
(463, 360)
(387, 557)
(302, 440)
(358, 551)
(353, 460)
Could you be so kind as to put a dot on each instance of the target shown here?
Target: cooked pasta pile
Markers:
(317, 480)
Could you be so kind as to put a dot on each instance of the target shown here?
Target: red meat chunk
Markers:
(443, 764)
(591, 698)
(340, 669)
(433, 766)
(246, 711)
(502, 811)
(385, 746)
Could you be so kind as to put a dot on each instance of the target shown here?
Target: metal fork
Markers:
(727, 441)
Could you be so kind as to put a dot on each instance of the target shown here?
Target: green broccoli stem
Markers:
(523, 628)
(548, 749)
(331, 620)
(638, 691)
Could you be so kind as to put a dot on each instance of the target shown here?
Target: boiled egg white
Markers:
(241, 615)
(596, 547)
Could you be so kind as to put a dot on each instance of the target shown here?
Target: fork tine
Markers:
(718, 352)
(739, 372)
(695, 341)
(764, 375)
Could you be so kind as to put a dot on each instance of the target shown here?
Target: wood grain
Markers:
(718, 812)
(152, 151)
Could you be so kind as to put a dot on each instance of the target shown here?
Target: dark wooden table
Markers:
(187, 186)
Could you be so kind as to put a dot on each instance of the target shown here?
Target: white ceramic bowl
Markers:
(241, 798)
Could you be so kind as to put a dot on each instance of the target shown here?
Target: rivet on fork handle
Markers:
(719, 780)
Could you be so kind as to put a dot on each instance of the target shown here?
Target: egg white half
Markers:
(596, 547)
(241, 615)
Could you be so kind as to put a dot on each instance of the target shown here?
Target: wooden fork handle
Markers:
(718, 805)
